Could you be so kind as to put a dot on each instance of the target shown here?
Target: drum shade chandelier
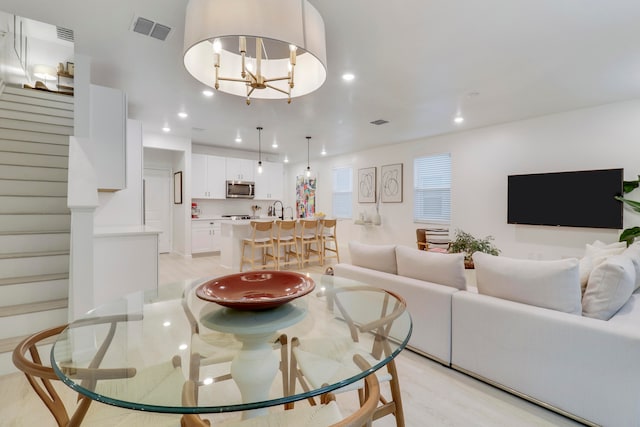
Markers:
(254, 48)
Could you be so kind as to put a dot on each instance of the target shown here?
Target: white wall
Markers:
(595, 138)
(181, 161)
(124, 207)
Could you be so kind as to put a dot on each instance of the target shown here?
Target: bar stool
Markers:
(306, 236)
(261, 238)
(328, 235)
(284, 241)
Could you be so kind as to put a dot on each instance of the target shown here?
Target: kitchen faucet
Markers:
(281, 216)
(289, 207)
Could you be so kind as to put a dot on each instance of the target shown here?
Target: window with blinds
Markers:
(432, 188)
(342, 192)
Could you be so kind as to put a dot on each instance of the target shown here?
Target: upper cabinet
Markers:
(241, 169)
(108, 112)
(207, 177)
(270, 182)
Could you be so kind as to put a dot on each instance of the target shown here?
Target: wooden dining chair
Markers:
(327, 414)
(309, 241)
(316, 361)
(27, 358)
(286, 244)
(328, 229)
(261, 239)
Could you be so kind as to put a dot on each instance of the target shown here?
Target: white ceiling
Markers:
(416, 63)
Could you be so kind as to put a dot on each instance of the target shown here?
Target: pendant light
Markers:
(259, 149)
(308, 167)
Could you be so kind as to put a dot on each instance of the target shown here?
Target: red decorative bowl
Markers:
(256, 290)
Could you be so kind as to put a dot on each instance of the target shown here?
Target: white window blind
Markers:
(342, 192)
(432, 188)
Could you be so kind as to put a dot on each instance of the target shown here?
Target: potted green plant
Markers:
(467, 244)
(629, 234)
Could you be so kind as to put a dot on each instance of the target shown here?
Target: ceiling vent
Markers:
(379, 122)
(149, 28)
(65, 34)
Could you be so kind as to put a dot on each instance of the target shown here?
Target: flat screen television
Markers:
(573, 199)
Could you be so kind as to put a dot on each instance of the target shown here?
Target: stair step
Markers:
(37, 97)
(35, 109)
(32, 188)
(31, 292)
(36, 118)
(33, 205)
(9, 344)
(29, 159)
(30, 136)
(26, 319)
(36, 127)
(32, 254)
(31, 279)
(36, 242)
(14, 146)
(37, 222)
(29, 266)
(35, 307)
(28, 173)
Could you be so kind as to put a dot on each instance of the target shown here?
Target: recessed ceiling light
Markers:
(286, 159)
(348, 77)
(183, 115)
(323, 152)
(166, 129)
(207, 93)
(458, 119)
(238, 140)
(275, 144)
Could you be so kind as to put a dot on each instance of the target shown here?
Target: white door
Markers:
(157, 205)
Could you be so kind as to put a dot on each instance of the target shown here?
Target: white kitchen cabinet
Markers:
(205, 236)
(240, 169)
(269, 183)
(108, 129)
(207, 177)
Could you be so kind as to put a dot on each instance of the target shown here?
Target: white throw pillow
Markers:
(375, 257)
(633, 252)
(444, 269)
(594, 254)
(549, 284)
(610, 285)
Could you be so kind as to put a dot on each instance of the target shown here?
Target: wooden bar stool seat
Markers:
(261, 239)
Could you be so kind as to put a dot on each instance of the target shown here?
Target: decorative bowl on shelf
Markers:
(256, 290)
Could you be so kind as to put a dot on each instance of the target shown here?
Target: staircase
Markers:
(34, 218)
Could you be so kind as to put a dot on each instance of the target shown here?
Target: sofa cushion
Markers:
(610, 285)
(594, 254)
(444, 269)
(375, 257)
(549, 284)
(633, 252)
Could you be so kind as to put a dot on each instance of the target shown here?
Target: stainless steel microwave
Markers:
(240, 190)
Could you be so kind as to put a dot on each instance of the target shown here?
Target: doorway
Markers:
(157, 205)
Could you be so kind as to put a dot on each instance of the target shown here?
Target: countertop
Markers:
(124, 230)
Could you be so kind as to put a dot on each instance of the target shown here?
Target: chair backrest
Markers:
(261, 229)
(329, 226)
(360, 417)
(421, 238)
(309, 226)
(285, 228)
(40, 377)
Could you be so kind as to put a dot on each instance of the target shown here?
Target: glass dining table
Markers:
(138, 352)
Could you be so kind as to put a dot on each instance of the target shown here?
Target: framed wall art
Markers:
(367, 185)
(391, 183)
(177, 188)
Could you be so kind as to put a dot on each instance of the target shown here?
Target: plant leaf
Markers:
(629, 186)
(632, 203)
(629, 235)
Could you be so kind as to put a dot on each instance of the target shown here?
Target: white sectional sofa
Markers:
(519, 330)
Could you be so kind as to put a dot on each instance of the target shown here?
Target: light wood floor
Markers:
(433, 395)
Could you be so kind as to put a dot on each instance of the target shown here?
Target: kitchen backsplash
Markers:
(209, 208)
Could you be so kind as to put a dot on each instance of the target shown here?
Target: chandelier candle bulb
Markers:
(243, 44)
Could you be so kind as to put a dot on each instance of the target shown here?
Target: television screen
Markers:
(574, 199)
